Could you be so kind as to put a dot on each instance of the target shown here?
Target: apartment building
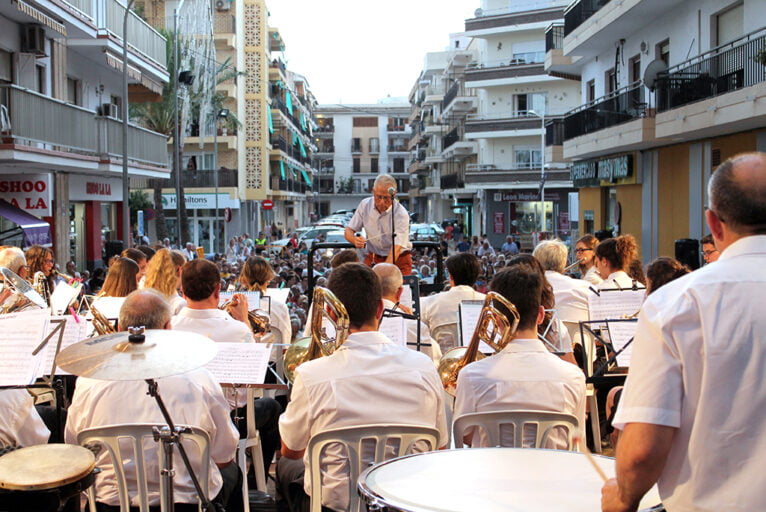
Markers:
(61, 104)
(354, 144)
(670, 89)
(515, 100)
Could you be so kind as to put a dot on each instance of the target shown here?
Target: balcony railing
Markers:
(554, 37)
(279, 142)
(554, 132)
(576, 14)
(39, 119)
(451, 138)
(450, 95)
(289, 185)
(454, 180)
(85, 6)
(513, 68)
(141, 35)
(618, 107)
(721, 70)
(202, 178)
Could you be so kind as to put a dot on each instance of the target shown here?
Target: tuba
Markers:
(325, 305)
(23, 295)
(493, 328)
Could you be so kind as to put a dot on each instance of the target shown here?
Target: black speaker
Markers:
(688, 252)
(111, 248)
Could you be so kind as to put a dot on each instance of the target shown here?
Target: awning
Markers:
(34, 231)
(116, 63)
(41, 17)
(306, 177)
(282, 169)
(271, 120)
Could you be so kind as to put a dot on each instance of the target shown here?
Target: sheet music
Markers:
(63, 295)
(621, 333)
(22, 333)
(395, 328)
(108, 306)
(253, 299)
(468, 316)
(615, 304)
(278, 294)
(74, 332)
(240, 363)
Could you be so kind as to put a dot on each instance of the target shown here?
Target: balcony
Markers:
(619, 121)
(456, 102)
(507, 176)
(509, 124)
(714, 93)
(49, 126)
(192, 179)
(457, 148)
(293, 151)
(289, 185)
(497, 21)
(510, 71)
(141, 36)
(453, 180)
(588, 23)
(556, 63)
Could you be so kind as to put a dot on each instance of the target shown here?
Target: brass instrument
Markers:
(493, 328)
(325, 305)
(257, 319)
(23, 297)
(40, 284)
(65, 277)
(101, 324)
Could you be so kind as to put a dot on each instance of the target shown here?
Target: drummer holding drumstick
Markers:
(691, 412)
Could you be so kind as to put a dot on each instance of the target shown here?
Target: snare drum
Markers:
(44, 477)
(488, 479)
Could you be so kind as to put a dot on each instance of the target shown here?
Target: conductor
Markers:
(387, 225)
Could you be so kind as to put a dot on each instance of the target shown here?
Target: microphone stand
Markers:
(393, 230)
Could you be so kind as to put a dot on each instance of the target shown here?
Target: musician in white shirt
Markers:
(20, 423)
(613, 259)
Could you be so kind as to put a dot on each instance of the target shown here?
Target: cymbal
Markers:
(114, 357)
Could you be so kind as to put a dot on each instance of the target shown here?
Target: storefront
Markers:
(25, 217)
(95, 207)
(209, 228)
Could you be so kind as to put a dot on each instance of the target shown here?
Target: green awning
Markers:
(289, 101)
(303, 120)
(303, 149)
(271, 121)
(282, 168)
(306, 177)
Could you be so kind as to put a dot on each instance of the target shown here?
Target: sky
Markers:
(361, 51)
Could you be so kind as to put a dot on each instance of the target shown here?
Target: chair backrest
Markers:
(399, 438)
(445, 335)
(134, 435)
(541, 424)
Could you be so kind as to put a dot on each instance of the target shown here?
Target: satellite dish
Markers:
(653, 69)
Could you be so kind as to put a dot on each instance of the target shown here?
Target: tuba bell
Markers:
(23, 295)
(324, 305)
(493, 328)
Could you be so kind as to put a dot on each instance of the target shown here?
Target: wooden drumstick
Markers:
(578, 439)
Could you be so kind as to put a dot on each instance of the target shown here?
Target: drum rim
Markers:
(11, 486)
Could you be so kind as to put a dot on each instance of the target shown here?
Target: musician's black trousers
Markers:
(290, 494)
(267, 411)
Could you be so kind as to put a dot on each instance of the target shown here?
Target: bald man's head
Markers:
(737, 191)
(145, 307)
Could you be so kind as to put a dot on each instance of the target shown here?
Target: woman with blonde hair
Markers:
(614, 257)
(255, 276)
(164, 275)
(121, 278)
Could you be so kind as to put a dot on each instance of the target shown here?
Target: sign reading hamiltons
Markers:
(591, 173)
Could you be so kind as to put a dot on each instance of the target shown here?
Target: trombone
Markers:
(325, 305)
(493, 328)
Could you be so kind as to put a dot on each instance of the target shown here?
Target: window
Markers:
(365, 122)
(610, 81)
(374, 145)
(634, 71)
(40, 79)
(527, 158)
(528, 57)
(729, 25)
(373, 165)
(527, 102)
(73, 90)
(590, 91)
(356, 145)
(357, 165)
(398, 164)
(662, 51)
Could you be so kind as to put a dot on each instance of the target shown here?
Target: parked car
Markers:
(427, 232)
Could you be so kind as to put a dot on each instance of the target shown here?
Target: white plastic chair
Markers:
(543, 422)
(446, 336)
(136, 434)
(588, 343)
(252, 441)
(353, 439)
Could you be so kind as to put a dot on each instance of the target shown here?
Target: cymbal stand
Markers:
(170, 436)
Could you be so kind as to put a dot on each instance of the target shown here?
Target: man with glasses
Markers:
(709, 251)
(374, 215)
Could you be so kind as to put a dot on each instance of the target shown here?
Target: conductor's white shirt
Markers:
(377, 226)
(193, 399)
(20, 424)
(442, 308)
(698, 362)
(367, 380)
(524, 375)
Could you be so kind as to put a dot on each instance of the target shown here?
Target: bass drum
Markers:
(491, 479)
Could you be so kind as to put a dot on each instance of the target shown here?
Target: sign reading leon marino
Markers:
(590, 173)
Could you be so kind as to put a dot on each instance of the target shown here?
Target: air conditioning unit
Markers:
(33, 39)
(222, 5)
(110, 110)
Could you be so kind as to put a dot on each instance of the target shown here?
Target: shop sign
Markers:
(94, 188)
(29, 192)
(521, 196)
(499, 223)
(200, 201)
(592, 173)
(564, 224)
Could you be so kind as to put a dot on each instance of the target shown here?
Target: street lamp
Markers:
(542, 168)
(125, 105)
(221, 114)
(187, 78)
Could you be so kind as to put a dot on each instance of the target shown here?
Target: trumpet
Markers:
(325, 305)
(65, 277)
(493, 328)
(257, 319)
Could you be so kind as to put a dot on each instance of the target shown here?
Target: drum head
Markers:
(491, 479)
(45, 466)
